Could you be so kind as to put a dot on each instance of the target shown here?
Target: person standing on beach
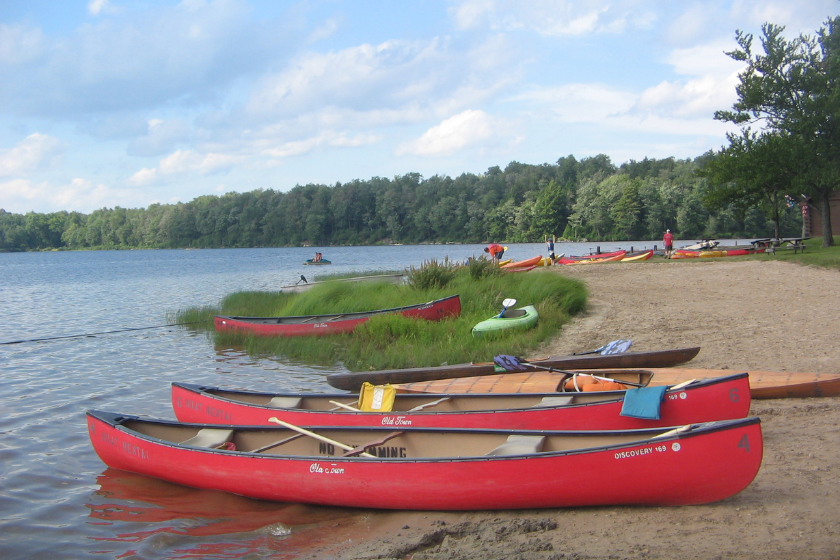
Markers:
(496, 252)
(668, 239)
(549, 245)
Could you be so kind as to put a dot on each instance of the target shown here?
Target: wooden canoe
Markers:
(658, 358)
(439, 469)
(763, 384)
(333, 324)
(720, 398)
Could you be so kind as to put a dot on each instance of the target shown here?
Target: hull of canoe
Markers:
(534, 261)
(640, 257)
(418, 469)
(613, 258)
(320, 325)
(720, 398)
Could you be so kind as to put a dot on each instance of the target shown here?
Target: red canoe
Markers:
(335, 323)
(721, 398)
(440, 469)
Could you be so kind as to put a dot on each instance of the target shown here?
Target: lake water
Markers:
(57, 499)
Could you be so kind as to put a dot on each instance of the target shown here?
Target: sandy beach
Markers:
(763, 315)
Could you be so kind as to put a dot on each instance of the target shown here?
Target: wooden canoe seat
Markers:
(284, 402)
(209, 437)
(555, 401)
(519, 445)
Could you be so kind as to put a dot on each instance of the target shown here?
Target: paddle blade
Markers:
(616, 347)
(509, 363)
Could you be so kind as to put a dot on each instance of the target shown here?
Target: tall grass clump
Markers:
(432, 274)
(482, 267)
(393, 341)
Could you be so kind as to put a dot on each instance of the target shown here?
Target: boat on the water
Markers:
(719, 398)
(521, 318)
(333, 323)
(439, 469)
(659, 358)
(313, 261)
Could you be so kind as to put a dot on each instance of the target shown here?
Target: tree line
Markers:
(589, 199)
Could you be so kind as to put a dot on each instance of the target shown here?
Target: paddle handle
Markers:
(317, 436)
(344, 406)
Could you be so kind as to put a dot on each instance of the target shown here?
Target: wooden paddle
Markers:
(318, 437)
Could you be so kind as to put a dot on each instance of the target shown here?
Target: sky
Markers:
(107, 103)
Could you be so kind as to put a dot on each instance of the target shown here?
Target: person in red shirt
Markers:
(668, 239)
(496, 251)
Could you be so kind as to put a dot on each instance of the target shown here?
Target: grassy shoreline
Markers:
(393, 341)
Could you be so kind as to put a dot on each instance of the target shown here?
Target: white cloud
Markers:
(95, 7)
(161, 137)
(712, 78)
(145, 176)
(20, 195)
(34, 153)
(19, 44)
(364, 76)
(12, 192)
(184, 162)
(553, 17)
(452, 135)
(300, 147)
(578, 103)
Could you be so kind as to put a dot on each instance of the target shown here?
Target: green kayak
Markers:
(521, 318)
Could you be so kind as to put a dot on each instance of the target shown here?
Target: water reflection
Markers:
(191, 523)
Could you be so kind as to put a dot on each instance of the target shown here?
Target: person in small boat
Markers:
(496, 252)
(317, 257)
(668, 240)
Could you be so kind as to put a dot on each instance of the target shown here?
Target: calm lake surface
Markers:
(57, 499)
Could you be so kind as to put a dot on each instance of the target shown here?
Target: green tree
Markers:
(755, 169)
(792, 88)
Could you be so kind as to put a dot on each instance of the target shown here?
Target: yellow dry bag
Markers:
(376, 398)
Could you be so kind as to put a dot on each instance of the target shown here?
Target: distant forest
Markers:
(586, 200)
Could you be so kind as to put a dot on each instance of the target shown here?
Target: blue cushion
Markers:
(643, 402)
